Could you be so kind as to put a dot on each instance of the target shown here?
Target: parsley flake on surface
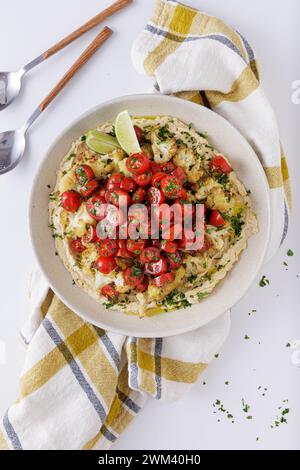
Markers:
(264, 281)
(290, 252)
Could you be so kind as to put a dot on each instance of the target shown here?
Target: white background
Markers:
(272, 27)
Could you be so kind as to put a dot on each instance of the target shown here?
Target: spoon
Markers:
(11, 82)
(12, 143)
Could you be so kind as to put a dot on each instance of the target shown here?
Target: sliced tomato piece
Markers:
(143, 179)
(89, 188)
(90, 235)
(114, 181)
(168, 246)
(155, 196)
(127, 184)
(139, 133)
(216, 219)
(156, 268)
(171, 187)
(156, 179)
(138, 196)
(167, 167)
(76, 246)
(143, 286)
(173, 233)
(96, 207)
(106, 264)
(150, 255)
(133, 276)
(84, 173)
(107, 247)
(174, 260)
(109, 292)
(164, 279)
(138, 163)
(219, 163)
(122, 250)
(118, 198)
(136, 246)
(71, 201)
(180, 174)
(155, 167)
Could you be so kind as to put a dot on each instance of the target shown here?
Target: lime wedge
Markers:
(126, 134)
(100, 142)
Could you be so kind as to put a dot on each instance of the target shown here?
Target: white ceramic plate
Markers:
(227, 140)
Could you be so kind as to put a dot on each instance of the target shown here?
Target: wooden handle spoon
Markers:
(12, 143)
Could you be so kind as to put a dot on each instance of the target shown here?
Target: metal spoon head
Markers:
(10, 85)
(12, 146)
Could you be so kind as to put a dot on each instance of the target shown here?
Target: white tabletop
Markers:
(272, 27)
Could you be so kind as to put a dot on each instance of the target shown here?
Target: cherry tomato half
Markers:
(114, 181)
(171, 187)
(143, 179)
(84, 173)
(71, 201)
(139, 133)
(118, 198)
(174, 260)
(216, 219)
(138, 196)
(127, 184)
(89, 188)
(150, 255)
(143, 286)
(107, 247)
(136, 246)
(156, 179)
(106, 264)
(155, 196)
(180, 174)
(219, 163)
(138, 163)
(156, 268)
(173, 233)
(122, 250)
(76, 245)
(166, 278)
(96, 207)
(133, 276)
(90, 235)
(168, 246)
(109, 292)
(155, 167)
(167, 167)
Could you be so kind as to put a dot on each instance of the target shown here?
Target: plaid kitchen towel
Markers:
(82, 386)
(198, 57)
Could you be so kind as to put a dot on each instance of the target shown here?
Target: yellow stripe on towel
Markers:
(180, 23)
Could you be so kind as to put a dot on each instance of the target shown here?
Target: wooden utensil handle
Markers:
(87, 26)
(85, 56)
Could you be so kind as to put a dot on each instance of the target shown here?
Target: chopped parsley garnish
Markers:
(290, 253)
(237, 224)
(176, 299)
(83, 138)
(164, 133)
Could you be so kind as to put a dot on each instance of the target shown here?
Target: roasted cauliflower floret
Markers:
(78, 221)
(186, 158)
(147, 149)
(163, 149)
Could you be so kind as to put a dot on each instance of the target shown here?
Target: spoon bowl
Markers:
(12, 146)
(10, 85)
